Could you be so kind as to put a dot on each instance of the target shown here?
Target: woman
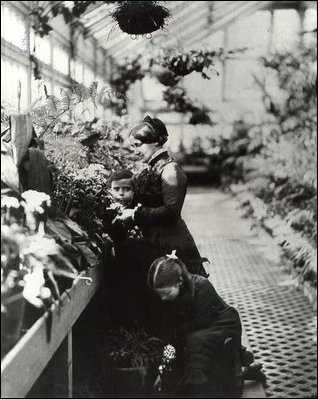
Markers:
(205, 331)
(161, 190)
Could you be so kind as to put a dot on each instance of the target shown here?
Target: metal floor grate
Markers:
(277, 317)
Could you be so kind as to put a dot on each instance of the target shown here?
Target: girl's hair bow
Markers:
(172, 255)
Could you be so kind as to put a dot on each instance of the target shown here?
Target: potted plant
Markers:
(130, 358)
(200, 116)
(140, 17)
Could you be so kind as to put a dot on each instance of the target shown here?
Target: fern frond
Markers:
(93, 92)
(52, 103)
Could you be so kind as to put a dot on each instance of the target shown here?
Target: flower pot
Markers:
(127, 379)
(11, 319)
(139, 18)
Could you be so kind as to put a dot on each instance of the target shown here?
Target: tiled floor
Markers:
(247, 271)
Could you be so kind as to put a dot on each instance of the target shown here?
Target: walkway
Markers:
(246, 271)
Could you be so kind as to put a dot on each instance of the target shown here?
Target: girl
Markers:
(161, 191)
(205, 331)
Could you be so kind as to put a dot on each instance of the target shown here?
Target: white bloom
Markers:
(10, 202)
(116, 205)
(40, 247)
(169, 352)
(34, 282)
(35, 198)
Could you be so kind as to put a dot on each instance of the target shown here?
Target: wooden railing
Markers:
(50, 335)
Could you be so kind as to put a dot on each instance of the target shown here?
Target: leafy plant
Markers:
(50, 111)
(31, 248)
(140, 17)
(126, 73)
(132, 348)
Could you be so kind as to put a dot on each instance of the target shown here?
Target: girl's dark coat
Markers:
(200, 325)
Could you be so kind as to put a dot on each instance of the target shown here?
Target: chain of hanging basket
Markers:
(140, 17)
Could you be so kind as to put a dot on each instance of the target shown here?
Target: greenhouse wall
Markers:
(58, 67)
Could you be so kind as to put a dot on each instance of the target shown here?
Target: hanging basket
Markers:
(200, 116)
(140, 17)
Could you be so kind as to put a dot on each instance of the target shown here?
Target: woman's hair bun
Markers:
(159, 127)
(150, 130)
(147, 119)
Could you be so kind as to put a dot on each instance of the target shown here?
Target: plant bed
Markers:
(29, 357)
(296, 248)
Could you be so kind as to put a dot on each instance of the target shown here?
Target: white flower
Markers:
(40, 247)
(10, 202)
(34, 282)
(116, 205)
(35, 200)
(169, 352)
(36, 197)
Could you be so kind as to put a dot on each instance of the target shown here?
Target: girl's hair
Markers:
(150, 130)
(165, 272)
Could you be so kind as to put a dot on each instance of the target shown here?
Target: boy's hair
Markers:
(120, 175)
(165, 272)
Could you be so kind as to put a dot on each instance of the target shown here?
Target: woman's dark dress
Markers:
(160, 214)
(206, 333)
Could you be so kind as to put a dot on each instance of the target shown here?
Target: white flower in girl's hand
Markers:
(169, 352)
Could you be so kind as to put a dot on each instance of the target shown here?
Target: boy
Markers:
(125, 272)
(121, 187)
(121, 190)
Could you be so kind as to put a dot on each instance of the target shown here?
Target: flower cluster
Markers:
(168, 356)
(169, 353)
(32, 253)
(35, 204)
(113, 211)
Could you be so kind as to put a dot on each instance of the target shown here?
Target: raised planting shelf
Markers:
(23, 365)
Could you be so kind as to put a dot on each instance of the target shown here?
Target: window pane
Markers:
(310, 21)
(88, 76)
(43, 49)
(14, 78)
(78, 75)
(13, 27)
(60, 60)
(251, 32)
(239, 81)
(286, 29)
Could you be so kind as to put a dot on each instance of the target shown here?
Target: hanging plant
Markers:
(177, 99)
(126, 74)
(140, 17)
(201, 117)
